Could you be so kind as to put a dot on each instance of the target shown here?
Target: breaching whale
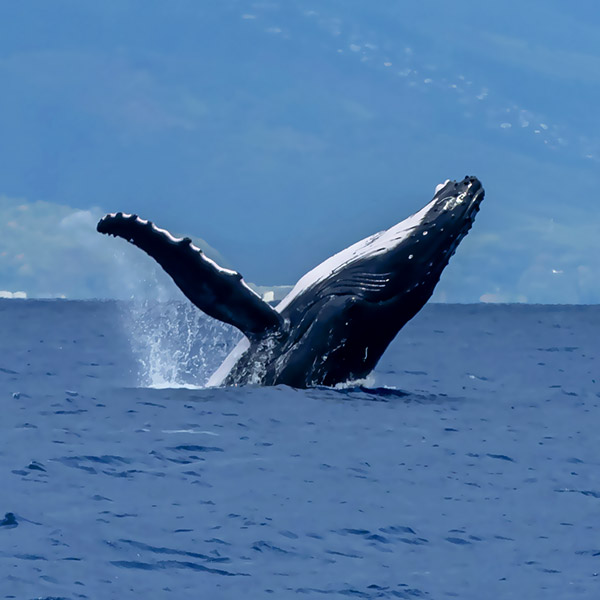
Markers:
(340, 317)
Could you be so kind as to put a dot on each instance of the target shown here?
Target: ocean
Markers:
(466, 467)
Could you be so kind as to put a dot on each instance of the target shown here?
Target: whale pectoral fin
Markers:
(218, 292)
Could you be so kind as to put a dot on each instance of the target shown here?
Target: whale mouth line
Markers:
(474, 200)
(477, 197)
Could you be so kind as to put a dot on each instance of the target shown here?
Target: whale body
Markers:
(339, 318)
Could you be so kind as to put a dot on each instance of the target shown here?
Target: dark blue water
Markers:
(479, 479)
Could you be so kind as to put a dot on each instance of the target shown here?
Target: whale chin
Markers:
(340, 317)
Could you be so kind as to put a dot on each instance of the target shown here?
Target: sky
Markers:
(275, 133)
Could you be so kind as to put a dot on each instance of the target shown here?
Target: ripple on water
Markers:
(455, 485)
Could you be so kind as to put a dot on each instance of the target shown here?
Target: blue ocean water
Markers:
(468, 467)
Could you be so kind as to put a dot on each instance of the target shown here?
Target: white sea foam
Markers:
(173, 385)
(368, 382)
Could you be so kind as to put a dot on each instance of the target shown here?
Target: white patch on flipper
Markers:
(201, 254)
(177, 240)
(167, 234)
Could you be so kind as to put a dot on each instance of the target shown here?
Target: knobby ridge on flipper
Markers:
(220, 293)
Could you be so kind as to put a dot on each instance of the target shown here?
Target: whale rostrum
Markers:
(339, 318)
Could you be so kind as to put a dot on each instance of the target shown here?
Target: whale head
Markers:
(456, 200)
(447, 219)
(419, 248)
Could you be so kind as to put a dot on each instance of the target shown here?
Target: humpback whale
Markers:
(339, 318)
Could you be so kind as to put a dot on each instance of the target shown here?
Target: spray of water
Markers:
(175, 344)
(365, 382)
(178, 346)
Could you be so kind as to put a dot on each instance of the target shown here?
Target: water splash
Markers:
(176, 345)
(365, 382)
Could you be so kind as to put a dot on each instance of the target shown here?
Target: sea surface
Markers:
(467, 467)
